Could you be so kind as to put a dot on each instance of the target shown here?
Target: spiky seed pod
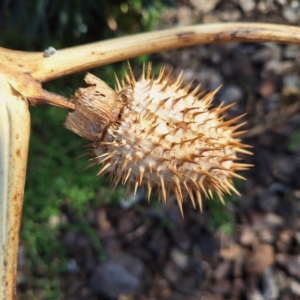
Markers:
(154, 133)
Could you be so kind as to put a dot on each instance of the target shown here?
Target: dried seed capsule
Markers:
(155, 133)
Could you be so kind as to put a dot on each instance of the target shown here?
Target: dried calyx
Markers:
(155, 133)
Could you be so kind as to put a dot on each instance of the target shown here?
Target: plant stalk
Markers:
(75, 59)
(14, 140)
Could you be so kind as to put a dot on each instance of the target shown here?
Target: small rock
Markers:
(256, 295)
(116, 277)
(184, 16)
(204, 6)
(179, 258)
(291, 52)
(72, 266)
(284, 241)
(261, 258)
(247, 5)
(171, 272)
(270, 289)
(209, 78)
(283, 168)
(158, 243)
(267, 201)
(222, 270)
(222, 287)
(231, 252)
(273, 220)
(267, 88)
(231, 93)
(231, 15)
(289, 262)
(248, 237)
(262, 55)
(291, 14)
(295, 287)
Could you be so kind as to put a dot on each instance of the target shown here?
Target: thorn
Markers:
(199, 200)
(177, 185)
(197, 97)
(163, 189)
(115, 183)
(164, 88)
(162, 137)
(174, 171)
(242, 165)
(161, 75)
(161, 104)
(229, 122)
(169, 76)
(232, 174)
(89, 166)
(195, 90)
(108, 157)
(186, 110)
(179, 85)
(175, 101)
(186, 159)
(178, 80)
(118, 82)
(131, 74)
(226, 181)
(187, 87)
(127, 175)
(202, 186)
(150, 84)
(190, 194)
(127, 78)
(135, 189)
(149, 70)
(221, 109)
(142, 78)
(220, 197)
(149, 190)
(84, 154)
(210, 194)
(179, 199)
(126, 161)
(233, 134)
(198, 113)
(243, 151)
(142, 171)
(234, 128)
(152, 129)
(104, 168)
(138, 156)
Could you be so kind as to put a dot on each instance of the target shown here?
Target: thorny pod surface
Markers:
(155, 133)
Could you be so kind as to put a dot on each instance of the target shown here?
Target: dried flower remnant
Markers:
(155, 133)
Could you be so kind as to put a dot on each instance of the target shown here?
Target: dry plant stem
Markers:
(14, 139)
(72, 60)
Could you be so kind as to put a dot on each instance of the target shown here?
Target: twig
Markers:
(75, 59)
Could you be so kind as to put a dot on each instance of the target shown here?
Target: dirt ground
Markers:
(154, 253)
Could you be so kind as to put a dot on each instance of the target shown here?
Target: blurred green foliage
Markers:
(54, 178)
